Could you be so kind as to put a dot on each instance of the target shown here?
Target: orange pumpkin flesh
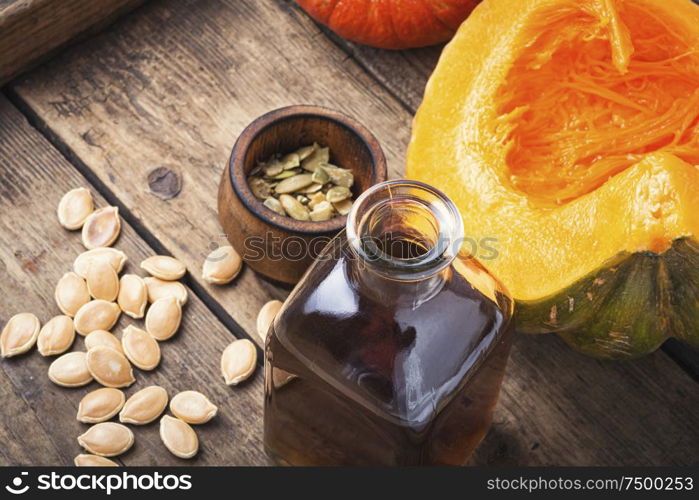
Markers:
(568, 130)
(391, 24)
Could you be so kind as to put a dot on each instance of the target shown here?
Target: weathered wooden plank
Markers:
(32, 29)
(35, 251)
(174, 86)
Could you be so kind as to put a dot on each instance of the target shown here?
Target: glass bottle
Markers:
(392, 348)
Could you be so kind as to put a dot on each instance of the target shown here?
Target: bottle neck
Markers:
(404, 231)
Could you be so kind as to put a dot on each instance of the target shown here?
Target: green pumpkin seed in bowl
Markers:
(303, 185)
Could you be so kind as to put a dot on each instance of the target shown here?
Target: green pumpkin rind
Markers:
(627, 308)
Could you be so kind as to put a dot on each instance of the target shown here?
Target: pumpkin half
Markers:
(391, 24)
(568, 131)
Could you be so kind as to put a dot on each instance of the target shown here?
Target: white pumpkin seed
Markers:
(193, 407)
(337, 194)
(178, 437)
(103, 338)
(293, 207)
(87, 460)
(140, 348)
(101, 228)
(266, 316)
(116, 259)
(109, 367)
(160, 289)
(19, 335)
(164, 267)
(102, 280)
(293, 184)
(100, 405)
(133, 295)
(322, 211)
(74, 208)
(144, 406)
(238, 361)
(70, 370)
(56, 336)
(163, 318)
(107, 439)
(274, 205)
(97, 314)
(71, 294)
(343, 207)
(222, 265)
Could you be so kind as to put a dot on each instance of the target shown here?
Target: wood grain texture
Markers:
(38, 426)
(32, 29)
(174, 85)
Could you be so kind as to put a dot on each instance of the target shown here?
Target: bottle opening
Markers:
(405, 229)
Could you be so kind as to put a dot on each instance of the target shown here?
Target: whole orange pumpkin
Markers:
(391, 24)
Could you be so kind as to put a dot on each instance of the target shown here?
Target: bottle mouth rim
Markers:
(441, 251)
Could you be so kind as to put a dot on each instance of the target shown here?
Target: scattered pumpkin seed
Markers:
(102, 280)
(163, 318)
(337, 194)
(70, 370)
(178, 437)
(19, 335)
(274, 205)
(160, 289)
(238, 361)
(56, 336)
(101, 228)
(104, 338)
(320, 176)
(140, 348)
(222, 265)
(193, 407)
(133, 295)
(109, 367)
(293, 184)
(322, 211)
(164, 267)
(343, 207)
(100, 405)
(115, 257)
(87, 460)
(266, 316)
(144, 406)
(97, 314)
(107, 439)
(74, 208)
(71, 294)
(293, 207)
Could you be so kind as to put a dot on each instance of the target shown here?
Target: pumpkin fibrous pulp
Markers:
(568, 131)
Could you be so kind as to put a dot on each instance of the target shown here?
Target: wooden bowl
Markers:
(279, 247)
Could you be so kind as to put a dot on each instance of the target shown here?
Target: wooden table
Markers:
(172, 85)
